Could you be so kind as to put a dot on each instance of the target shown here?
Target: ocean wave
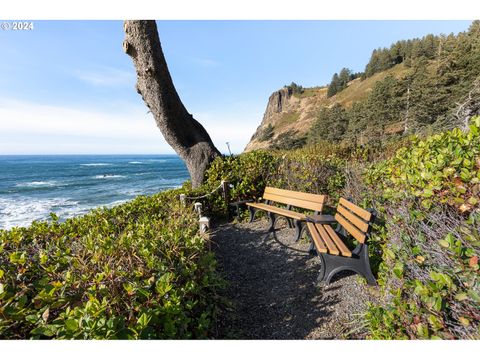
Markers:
(37, 184)
(22, 211)
(132, 192)
(115, 203)
(96, 164)
(135, 162)
(107, 176)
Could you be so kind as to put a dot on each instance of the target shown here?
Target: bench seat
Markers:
(327, 241)
(280, 211)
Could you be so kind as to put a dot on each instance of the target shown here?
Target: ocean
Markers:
(33, 186)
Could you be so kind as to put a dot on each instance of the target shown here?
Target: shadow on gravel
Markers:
(272, 284)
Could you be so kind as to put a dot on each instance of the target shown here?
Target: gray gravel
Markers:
(272, 289)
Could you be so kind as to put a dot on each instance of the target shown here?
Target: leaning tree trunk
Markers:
(184, 134)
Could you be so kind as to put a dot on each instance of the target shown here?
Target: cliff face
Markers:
(277, 101)
(285, 112)
(290, 114)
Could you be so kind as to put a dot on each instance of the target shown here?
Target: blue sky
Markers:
(67, 87)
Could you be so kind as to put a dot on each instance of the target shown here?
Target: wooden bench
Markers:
(335, 255)
(292, 199)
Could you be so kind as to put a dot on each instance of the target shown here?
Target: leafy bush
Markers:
(428, 195)
(443, 168)
(138, 270)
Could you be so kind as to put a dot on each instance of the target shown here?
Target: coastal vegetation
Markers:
(139, 270)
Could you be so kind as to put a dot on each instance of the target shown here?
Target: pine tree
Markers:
(334, 85)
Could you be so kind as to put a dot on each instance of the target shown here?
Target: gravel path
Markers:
(273, 293)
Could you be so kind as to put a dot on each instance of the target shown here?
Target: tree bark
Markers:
(181, 131)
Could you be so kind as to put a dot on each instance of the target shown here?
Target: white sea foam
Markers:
(22, 211)
(96, 164)
(135, 162)
(37, 184)
(115, 203)
(133, 192)
(108, 176)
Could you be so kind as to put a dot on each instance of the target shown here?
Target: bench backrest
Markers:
(295, 198)
(354, 219)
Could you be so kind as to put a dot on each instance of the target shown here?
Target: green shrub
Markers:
(138, 270)
(443, 168)
(428, 195)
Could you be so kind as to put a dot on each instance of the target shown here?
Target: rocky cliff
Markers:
(290, 114)
(286, 112)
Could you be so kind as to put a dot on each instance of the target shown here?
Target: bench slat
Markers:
(353, 218)
(319, 244)
(357, 234)
(284, 212)
(340, 245)
(305, 204)
(364, 214)
(332, 249)
(296, 194)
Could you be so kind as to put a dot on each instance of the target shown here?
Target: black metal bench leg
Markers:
(359, 264)
(321, 273)
(290, 223)
(298, 230)
(272, 221)
(252, 213)
(366, 269)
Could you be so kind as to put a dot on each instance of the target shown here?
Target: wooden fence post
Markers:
(182, 199)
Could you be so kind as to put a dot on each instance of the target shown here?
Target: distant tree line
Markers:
(405, 51)
(294, 88)
(340, 81)
(442, 70)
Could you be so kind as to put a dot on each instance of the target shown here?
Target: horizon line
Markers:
(110, 154)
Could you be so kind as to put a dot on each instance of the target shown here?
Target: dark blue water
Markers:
(33, 186)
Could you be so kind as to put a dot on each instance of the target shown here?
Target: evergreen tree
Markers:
(331, 125)
(334, 85)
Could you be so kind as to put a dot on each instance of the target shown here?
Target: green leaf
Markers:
(398, 269)
(435, 322)
(71, 324)
(473, 201)
(143, 320)
(422, 330)
(444, 243)
(390, 253)
(461, 296)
